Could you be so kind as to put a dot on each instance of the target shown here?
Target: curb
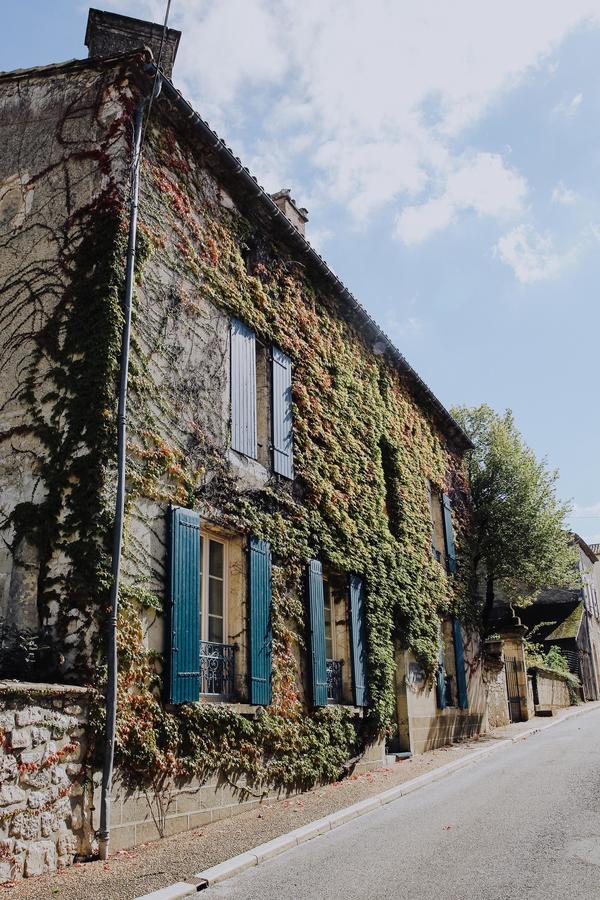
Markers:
(275, 847)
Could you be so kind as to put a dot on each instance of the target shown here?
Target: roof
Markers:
(595, 548)
(370, 330)
(554, 616)
(557, 596)
(588, 549)
(569, 626)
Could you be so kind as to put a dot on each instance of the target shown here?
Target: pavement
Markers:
(522, 823)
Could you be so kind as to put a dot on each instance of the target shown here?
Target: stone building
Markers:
(297, 507)
(569, 619)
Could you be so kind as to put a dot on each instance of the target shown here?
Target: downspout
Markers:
(111, 689)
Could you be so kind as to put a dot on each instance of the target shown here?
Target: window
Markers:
(219, 632)
(451, 679)
(261, 401)
(449, 662)
(391, 478)
(437, 526)
(442, 529)
(212, 600)
(336, 642)
(337, 636)
(216, 654)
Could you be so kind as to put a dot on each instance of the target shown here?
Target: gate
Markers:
(512, 667)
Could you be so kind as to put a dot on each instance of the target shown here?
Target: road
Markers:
(523, 823)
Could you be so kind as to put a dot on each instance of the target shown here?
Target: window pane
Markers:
(328, 621)
(215, 597)
(215, 629)
(215, 566)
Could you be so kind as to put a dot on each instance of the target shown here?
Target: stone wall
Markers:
(43, 785)
(550, 690)
(421, 725)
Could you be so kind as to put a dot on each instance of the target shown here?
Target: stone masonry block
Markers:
(11, 795)
(7, 720)
(38, 779)
(35, 755)
(8, 768)
(26, 827)
(31, 715)
(36, 799)
(20, 738)
(41, 858)
(39, 735)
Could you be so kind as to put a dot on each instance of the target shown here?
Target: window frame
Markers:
(206, 537)
(449, 649)
(329, 601)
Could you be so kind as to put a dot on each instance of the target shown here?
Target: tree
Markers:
(520, 542)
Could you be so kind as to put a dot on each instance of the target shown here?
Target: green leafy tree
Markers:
(520, 542)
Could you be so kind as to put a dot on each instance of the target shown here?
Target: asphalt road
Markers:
(524, 823)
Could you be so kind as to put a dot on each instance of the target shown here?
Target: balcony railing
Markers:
(334, 680)
(216, 668)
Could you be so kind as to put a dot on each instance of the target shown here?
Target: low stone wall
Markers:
(448, 726)
(550, 689)
(138, 815)
(43, 783)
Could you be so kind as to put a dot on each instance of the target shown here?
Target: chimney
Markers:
(298, 216)
(109, 34)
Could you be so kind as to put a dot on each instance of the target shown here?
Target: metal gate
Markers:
(512, 667)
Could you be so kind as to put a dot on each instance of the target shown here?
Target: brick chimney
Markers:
(108, 34)
(298, 216)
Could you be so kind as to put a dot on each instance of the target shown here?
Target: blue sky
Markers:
(449, 158)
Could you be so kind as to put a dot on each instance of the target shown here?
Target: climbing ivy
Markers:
(364, 447)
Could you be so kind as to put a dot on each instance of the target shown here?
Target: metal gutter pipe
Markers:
(111, 688)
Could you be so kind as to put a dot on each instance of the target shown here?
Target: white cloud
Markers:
(563, 195)
(482, 184)
(532, 256)
(584, 511)
(568, 108)
(356, 80)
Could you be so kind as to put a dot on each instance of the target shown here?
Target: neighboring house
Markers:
(570, 620)
(286, 466)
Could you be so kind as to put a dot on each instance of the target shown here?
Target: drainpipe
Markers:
(111, 689)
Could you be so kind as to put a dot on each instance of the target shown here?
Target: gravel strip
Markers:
(131, 873)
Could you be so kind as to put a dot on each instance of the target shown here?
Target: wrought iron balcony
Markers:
(216, 668)
(334, 680)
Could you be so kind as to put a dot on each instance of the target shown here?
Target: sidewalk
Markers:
(133, 873)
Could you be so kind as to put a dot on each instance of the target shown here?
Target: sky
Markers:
(449, 157)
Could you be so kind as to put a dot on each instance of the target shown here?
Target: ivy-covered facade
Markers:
(297, 513)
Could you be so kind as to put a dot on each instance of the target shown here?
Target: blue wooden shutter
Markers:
(358, 636)
(440, 676)
(316, 603)
(449, 534)
(260, 621)
(281, 388)
(243, 389)
(184, 622)
(459, 655)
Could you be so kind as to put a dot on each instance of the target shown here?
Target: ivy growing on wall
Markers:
(364, 448)
(363, 451)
